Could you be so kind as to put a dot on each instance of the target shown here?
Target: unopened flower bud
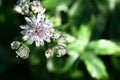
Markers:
(62, 38)
(22, 7)
(15, 44)
(37, 7)
(49, 53)
(25, 9)
(56, 34)
(61, 50)
(23, 52)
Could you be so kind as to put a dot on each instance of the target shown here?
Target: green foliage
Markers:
(93, 36)
(104, 47)
(57, 3)
(70, 61)
(95, 66)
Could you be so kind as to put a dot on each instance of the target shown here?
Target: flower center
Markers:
(39, 30)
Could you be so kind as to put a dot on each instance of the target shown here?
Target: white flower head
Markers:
(38, 29)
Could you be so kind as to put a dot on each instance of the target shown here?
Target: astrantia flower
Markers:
(38, 29)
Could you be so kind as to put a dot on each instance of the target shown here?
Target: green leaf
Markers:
(50, 65)
(103, 47)
(112, 4)
(76, 73)
(74, 9)
(51, 4)
(55, 65)
(94, 66)
(70, 60)
(75, 46)
(85, 31)
(60, 65)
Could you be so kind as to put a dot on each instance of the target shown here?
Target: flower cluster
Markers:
(38, 29)
(21, 49)
(25, 7)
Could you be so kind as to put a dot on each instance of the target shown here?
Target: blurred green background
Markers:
(93, 44)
